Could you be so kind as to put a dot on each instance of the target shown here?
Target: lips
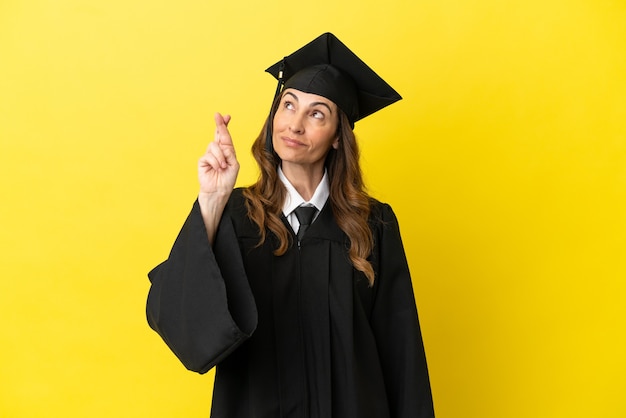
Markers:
(290, 142)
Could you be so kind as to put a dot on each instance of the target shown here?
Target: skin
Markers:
(217, 174)
(304, 130)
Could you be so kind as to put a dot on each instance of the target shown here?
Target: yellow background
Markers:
(505, 162)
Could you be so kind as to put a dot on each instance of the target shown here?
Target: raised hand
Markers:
(217, 173)
(218, 167)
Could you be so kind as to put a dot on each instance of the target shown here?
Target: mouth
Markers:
(290, 142)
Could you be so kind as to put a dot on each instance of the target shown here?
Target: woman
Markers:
(303, 317)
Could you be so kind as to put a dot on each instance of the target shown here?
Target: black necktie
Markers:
(305, 215)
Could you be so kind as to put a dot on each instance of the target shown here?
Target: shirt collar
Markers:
(294, 199)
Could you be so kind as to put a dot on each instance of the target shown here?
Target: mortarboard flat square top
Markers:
(326, 67)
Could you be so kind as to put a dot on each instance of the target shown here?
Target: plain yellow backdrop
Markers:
(505, 162)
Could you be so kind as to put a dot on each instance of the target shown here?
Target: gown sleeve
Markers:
(396, 326)
(200, 301)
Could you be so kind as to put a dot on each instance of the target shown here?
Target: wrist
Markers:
(212, 202)
(212, 207)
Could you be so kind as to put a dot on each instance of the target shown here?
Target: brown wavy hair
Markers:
(348, 199)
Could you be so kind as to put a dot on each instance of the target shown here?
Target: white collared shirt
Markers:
(294, 199)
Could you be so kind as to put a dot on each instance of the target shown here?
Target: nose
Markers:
(296, 123)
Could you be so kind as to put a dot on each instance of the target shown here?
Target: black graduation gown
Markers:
(296, 336)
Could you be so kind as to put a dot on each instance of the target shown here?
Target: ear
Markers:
(336, 143)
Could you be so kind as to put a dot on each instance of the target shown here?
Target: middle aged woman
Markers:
(297, 287)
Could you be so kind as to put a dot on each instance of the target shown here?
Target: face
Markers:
(305, 128)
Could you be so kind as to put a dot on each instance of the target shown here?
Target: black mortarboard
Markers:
(325, 66)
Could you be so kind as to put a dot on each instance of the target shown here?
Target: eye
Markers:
(318, 114)
(288, 105)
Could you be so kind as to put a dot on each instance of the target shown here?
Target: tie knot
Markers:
(305, 214)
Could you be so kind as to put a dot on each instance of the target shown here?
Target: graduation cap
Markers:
(326, 67)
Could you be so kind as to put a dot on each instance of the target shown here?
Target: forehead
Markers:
(308, 98)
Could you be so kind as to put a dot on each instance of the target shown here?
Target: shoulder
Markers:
(380, 213)
(237, 194)
(237, 210)
(237, 201)
(383, 221)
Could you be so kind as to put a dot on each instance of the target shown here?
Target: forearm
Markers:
(212, 207)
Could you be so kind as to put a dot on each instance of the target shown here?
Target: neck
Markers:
(304, 179)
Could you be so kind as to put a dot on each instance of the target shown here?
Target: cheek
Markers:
(280, 124)
(327, 137)
(279, 119)
(275, 122)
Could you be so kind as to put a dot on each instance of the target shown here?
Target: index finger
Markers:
(222, 136)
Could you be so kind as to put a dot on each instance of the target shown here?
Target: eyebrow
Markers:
(312, 104)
